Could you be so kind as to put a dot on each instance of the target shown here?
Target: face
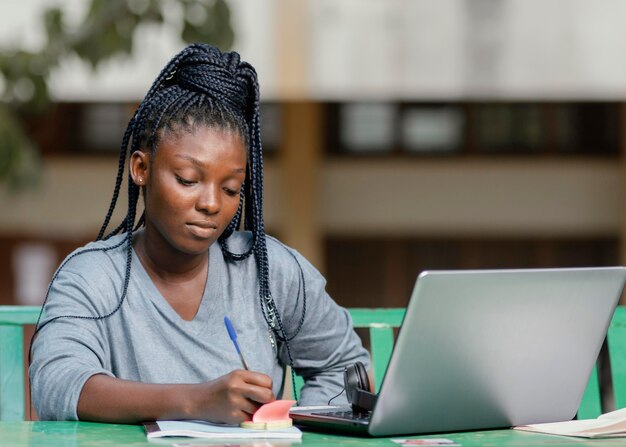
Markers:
(192, 185)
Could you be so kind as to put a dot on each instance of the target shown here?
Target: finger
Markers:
(258, 394)
(249, 407)
(243, 408)
(239, 416)
(256, 378)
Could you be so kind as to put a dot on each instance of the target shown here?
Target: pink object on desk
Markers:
(273, 411)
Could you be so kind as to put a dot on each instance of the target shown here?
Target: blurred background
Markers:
(399, 136)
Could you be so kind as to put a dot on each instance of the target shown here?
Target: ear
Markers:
(140, 167)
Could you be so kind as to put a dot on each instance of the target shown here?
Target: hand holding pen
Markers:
(233, 397)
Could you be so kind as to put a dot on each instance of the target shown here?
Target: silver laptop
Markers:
(482, 349)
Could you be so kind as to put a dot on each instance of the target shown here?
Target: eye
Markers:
(231, 192)
(183, 181)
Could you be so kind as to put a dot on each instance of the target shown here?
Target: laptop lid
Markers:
(495, 348)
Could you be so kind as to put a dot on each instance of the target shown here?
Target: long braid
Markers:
(118, 180)
(272, 316)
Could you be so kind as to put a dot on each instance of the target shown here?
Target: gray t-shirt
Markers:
(147, 341)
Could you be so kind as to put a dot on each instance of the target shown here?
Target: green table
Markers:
(70, 434)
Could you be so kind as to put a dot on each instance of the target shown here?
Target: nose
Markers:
(209, 200)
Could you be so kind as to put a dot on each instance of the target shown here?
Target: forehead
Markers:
(203, 143)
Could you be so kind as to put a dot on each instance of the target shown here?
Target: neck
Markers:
(158, 257)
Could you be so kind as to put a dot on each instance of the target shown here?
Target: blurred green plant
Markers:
(107, 30)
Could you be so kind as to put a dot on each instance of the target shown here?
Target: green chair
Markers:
(12, 321)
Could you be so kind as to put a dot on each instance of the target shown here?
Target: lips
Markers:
(202, 229)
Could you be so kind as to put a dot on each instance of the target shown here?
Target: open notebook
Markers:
(202, 429)
(608, 425)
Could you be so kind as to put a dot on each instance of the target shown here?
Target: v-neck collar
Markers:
(213, 285)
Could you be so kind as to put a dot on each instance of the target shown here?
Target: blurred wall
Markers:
(312, 51)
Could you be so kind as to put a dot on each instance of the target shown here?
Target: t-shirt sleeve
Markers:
(67, 351)
(326, 342)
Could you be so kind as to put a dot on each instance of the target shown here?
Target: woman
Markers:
(133, 322)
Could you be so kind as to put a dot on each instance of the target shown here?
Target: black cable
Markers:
(336, 396)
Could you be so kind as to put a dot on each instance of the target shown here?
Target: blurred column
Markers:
(300, 160)
(622, 253)
(622, 233)
(301, 146)
(292, 34)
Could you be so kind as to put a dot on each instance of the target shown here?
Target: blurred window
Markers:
(33, 265)
(432, 129)
(103, 125)
(592, 128)
(367, 127)
(271, 129)
(509, 127)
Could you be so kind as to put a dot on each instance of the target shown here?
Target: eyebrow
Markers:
(198, 163)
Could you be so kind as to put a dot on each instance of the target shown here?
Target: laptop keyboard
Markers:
(349, 415)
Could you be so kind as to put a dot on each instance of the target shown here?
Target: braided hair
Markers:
(200, 86)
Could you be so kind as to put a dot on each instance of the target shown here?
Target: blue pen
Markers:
(233, 336)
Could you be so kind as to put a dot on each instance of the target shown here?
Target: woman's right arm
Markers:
(71, 377)
(228, 399)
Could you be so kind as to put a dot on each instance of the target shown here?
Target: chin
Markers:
(198, 249)
(193, 247)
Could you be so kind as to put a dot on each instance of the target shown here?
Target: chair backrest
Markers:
(380, 323)
(12, 322)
